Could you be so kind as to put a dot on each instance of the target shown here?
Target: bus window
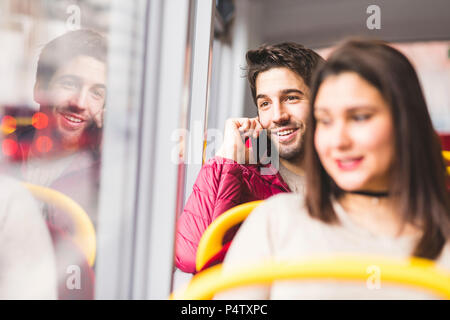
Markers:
(81, 86)
(53, 96)
(432, 63)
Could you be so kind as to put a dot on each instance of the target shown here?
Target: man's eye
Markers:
(98, 94)
(263, 104)
(292, 98)
(69, 84)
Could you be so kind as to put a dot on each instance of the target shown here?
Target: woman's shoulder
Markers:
(8, 181)
(19, 210)
(10, 187)
(284, 204)
(444, 258)
(281, 211)
(260, 235)
(288, 199)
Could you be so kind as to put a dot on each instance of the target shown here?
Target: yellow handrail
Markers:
(413, 272)
(84, 236)
(446, 155)
(211, 241)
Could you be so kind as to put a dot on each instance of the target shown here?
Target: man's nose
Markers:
(279, 114)
(80, 98)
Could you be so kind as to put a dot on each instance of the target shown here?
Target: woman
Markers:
(27, 257)
(375, 180)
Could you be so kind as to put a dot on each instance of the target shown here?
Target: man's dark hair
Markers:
(293, 56)
(417, 180)
(70, 45)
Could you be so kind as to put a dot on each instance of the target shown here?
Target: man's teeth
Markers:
(285, 132)
(70, 118)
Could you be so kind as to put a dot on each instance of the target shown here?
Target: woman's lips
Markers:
(349, 164)
(286, 135)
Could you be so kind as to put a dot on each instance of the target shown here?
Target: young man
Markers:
(279, 77)
(61, 148)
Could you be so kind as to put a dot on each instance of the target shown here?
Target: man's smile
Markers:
(71, 121)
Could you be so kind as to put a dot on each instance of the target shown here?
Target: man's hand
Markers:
(233, 146)
(98, 118)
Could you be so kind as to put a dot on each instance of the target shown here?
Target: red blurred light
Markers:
(9, 147)
(39, 120)
(44, 144)
(9, 124)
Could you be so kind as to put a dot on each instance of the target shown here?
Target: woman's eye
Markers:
(323, 121)
(361, 117)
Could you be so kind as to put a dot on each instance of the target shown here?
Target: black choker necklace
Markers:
(377, 194)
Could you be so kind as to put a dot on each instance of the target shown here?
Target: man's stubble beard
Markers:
(88, 137)
(291, 153)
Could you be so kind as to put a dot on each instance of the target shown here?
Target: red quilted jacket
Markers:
(221, 184)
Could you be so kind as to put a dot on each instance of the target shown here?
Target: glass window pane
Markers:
(431, 60)
(55, 92)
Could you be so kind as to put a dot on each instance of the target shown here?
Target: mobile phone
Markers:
(264, 150)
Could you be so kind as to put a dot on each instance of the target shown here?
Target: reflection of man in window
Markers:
(70, 89)
(61, 149)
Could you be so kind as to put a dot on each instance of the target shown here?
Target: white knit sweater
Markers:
(27, 261)
(282, 229)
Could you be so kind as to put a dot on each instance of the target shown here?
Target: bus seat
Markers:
(412, 272)
(210, 247)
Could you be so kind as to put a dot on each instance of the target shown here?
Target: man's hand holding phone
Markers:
(236, 131)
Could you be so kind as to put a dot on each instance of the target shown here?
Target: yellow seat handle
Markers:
(211, 240)
(413, 272)
(446, 155)
(84, 236)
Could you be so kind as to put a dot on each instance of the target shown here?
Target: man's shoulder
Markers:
(219, 162)
(226, 166)
(257, 173)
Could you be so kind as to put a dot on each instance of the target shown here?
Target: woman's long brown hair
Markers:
(418, 171)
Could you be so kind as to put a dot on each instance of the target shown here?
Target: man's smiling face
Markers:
(282, 98)
(75, 97)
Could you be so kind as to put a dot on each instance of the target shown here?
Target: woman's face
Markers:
(354, 136)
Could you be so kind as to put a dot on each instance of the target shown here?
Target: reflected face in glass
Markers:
(282, 98)
(76, 94)
(354, 134)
